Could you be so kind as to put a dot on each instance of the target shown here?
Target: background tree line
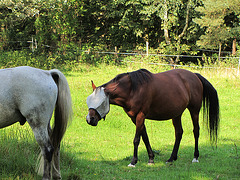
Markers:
(170, 26)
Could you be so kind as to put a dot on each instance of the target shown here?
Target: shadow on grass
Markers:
(18, 158)
(223, 163)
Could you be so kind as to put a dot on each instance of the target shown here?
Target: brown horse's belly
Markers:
(161, 117)
(166, 114)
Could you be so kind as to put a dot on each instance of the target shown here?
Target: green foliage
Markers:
(220, 19)
(124, 24)
(26, 58)
(64, 29)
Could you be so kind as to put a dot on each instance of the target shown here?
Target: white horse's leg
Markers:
(55, 159)
(56, 164)
(42, 137)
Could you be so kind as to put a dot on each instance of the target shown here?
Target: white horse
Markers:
(30, 94)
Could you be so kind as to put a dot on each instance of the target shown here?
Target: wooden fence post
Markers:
(147, 43)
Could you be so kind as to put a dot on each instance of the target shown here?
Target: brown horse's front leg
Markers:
(136, 142)
(139, 122)
(148, 146)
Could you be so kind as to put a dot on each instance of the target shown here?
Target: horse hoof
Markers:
(169, 162)
(195, 160)
(131, 165)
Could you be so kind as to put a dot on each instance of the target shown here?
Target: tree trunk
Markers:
(219, 53)
(165, 23)
(186, 24)
(234, 47)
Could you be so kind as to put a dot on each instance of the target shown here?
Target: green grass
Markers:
(103, 152)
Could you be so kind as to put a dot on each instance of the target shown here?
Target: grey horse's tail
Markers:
(63, 108)
(63, 114)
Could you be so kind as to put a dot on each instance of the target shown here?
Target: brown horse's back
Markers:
(172, 92)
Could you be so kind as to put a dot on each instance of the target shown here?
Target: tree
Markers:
(57, 22)
(221, 23)
(176, 22)
(17, 22)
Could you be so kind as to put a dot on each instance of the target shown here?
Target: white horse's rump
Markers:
(26, 93)
(30, 94)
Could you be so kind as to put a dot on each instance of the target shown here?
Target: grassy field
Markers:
(103, 152)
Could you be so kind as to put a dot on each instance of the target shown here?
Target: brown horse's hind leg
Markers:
(196, 128)
(178, 136)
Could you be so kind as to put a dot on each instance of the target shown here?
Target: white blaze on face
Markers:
(99, 101)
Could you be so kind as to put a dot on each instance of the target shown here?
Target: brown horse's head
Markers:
(93, 117)
(98, 104)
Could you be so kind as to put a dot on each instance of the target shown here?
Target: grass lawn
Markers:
(103, 152)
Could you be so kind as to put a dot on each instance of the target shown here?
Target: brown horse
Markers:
(161, 96)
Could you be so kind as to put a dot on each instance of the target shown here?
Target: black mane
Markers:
(137, 78)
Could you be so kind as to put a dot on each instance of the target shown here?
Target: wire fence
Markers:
(33, 45)
(236, 59)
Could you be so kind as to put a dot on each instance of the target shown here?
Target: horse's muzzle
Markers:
(91, 120)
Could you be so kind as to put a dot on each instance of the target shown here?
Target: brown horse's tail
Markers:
(63, 108)
(210, 108)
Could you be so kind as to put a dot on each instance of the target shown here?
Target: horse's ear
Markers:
(93, 85)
